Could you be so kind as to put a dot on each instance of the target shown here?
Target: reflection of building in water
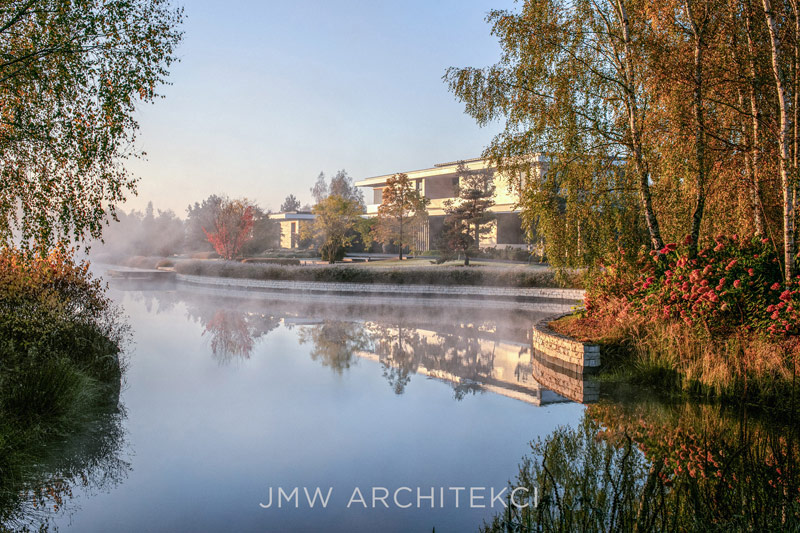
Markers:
(473, 349)
(466, 360)
(570, 383)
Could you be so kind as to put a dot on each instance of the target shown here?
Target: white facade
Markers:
(439, 184)
(290, 224)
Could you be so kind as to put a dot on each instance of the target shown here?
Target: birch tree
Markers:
(569, 84)
(72, 73)
(784, 136)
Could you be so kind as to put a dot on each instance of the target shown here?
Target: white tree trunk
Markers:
(783, 143)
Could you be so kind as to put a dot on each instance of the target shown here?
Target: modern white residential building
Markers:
(439, 184)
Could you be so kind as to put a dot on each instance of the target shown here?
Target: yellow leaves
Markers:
(39, 275)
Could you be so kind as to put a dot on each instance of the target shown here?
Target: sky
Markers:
(269, 94)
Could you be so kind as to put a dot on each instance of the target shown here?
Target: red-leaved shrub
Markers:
(735, 284)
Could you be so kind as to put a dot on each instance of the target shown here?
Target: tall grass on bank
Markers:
(440, 275)
(60, 355)
(677, 357)
(723, 322)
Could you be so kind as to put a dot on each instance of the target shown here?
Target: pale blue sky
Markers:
(268, 94)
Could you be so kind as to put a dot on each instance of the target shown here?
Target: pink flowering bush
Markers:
(735, 284)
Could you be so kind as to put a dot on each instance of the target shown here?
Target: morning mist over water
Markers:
(227, 398)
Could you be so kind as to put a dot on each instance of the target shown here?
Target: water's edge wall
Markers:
(390, 289)
(570, 354)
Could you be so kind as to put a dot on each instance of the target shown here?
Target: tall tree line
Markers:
(662, 121)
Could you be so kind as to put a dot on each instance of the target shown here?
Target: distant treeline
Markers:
(162, 233)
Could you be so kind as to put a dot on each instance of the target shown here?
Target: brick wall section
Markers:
(563, 348)
(386, 288)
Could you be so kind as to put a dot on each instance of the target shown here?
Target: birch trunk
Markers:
(783, 142)
(699, 140)
(754, 178)
(632, 108)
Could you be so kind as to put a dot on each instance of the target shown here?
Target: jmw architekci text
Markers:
(403, 497)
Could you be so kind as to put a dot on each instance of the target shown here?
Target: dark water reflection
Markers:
(655, 466)
(91, 459)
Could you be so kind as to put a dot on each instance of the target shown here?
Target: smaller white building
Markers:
(291, 223)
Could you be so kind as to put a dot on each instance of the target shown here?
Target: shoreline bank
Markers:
(518, 294)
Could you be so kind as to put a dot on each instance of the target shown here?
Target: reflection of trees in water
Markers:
(456, 354)
(461, 354)
(399, 350)
(88, 460)
(159, 301)
(230, 335)
(650, 467)
(335, 342)
(233, 332)
(448, 342)
(453, 344)
(234, 325)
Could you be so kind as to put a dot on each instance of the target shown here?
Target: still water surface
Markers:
(227, 398)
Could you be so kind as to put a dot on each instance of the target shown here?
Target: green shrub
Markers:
(48, 389)
(332, 251)
(440, 275)
(60, 340)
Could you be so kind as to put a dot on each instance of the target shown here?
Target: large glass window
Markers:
(441, 187)
(509, 229)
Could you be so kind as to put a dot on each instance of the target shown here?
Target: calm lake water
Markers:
(227, 399)
(388, 409)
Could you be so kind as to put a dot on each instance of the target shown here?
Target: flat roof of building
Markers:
(293, 215)
(439, 169)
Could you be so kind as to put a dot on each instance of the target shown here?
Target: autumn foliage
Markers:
(401, 212)
(232, 227)
(736, 284)
(52, 281)
(710, 464)
(60, 339)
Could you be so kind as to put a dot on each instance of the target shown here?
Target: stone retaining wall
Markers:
(576, 356)
(495, 293)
